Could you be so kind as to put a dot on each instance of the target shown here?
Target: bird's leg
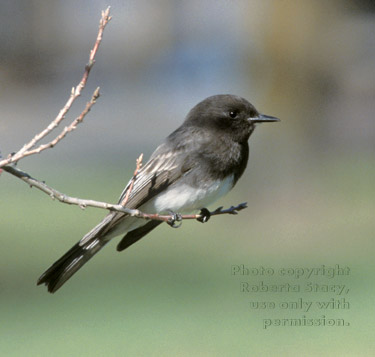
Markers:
(176, 217)
(205, 215)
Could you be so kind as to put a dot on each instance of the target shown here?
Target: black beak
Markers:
(262, 118)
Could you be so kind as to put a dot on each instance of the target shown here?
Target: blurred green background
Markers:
(309, 183)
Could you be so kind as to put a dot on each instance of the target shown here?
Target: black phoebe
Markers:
(196, 164)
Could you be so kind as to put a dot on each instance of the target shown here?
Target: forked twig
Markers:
(29, 148)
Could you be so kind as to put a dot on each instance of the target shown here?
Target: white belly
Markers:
(185, 198)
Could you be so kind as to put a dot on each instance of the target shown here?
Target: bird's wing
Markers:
(163, 169)
(136, 234)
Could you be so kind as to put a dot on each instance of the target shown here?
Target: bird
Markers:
(196, 164)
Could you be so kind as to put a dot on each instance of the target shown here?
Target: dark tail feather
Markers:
(136, 234)
(59, 272)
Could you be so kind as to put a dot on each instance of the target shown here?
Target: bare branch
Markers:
(170, 218)
(75, 93)
(67, 129)
(83, 203)
(54, 194)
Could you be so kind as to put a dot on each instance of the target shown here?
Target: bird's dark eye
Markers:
(233, 114)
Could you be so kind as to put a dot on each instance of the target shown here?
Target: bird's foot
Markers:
(176, 217)
(204, 215)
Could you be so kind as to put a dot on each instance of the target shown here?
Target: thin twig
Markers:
(54, 194)
(83, 203)
(67, 129)
(27, 150)
(170, 217)
(138, 167)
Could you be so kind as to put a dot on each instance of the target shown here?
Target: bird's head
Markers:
(229, 113)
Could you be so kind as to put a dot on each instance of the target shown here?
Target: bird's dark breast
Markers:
(209, 154)
(225, 159)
